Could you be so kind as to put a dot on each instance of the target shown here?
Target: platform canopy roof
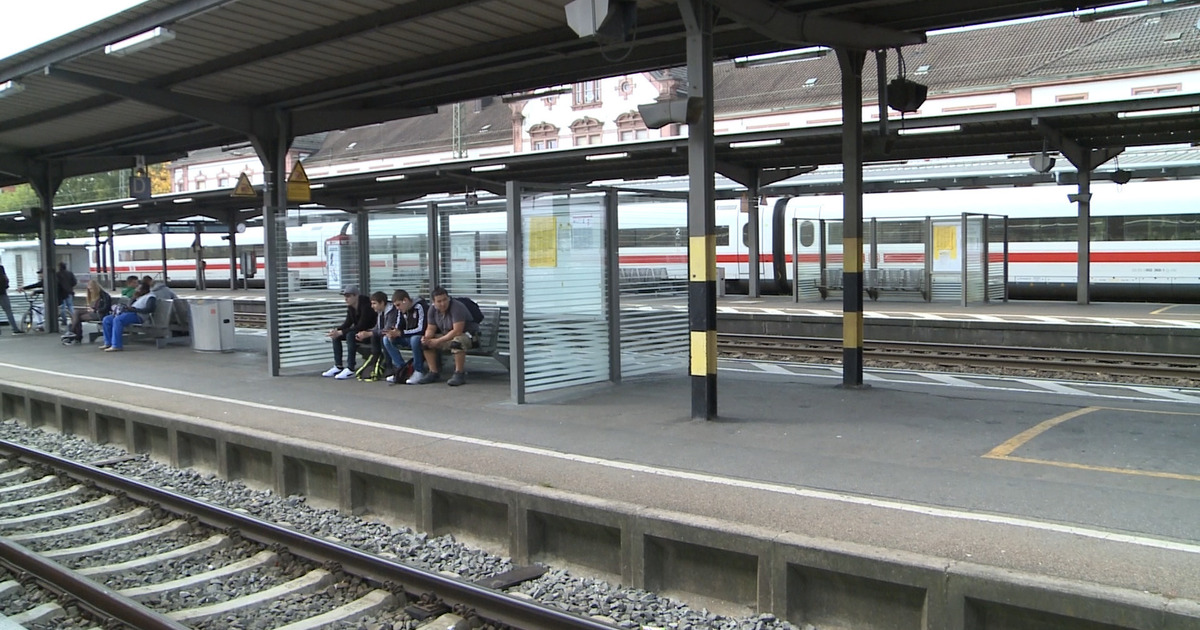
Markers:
(233, 66)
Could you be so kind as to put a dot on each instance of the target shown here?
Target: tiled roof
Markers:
(491, 125)
(1038, 51)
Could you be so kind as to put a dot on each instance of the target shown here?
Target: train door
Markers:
(801, 224)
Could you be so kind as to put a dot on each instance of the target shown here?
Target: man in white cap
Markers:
(359, 316)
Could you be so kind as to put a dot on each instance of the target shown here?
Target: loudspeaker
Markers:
(1041, 163)
(1120, 176)
(906, 96)
(610, 22)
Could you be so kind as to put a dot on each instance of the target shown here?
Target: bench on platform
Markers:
(168, 323)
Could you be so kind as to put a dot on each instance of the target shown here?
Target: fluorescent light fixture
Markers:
(88, 211)
(542, 93)
(130, 206)
(755, 143)
(183, 200)
(18, 218)
(10, 87)
(784, 56)
(390, 178)
(316, 186)
(606, 156)
(311, 205)
(141, 41)
(1172, 111)
(488, 167)
(922, 130)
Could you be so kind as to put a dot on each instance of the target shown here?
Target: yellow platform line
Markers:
(1019, 440)
(1005, 450)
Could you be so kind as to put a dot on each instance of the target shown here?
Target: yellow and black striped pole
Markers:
(852, 62)
(702, 250)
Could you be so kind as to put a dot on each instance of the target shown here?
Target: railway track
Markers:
(1176, 369)
(100, 550)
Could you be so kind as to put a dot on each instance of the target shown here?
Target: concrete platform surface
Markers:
(1096, 484)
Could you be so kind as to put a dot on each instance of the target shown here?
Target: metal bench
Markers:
(168, 323)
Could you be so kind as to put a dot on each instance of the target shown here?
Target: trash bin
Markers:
(212, 325)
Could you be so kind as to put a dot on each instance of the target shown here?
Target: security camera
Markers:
(681, 111)
(1041, 163)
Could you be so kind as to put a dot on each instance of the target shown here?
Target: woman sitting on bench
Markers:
(136, 313)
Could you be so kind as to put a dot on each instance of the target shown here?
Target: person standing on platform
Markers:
(12, 321)
(359, 316)
(410, 325)
(66, 292)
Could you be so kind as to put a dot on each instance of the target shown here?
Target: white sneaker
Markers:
(415, 378)
(345, 374)
(331, 371)
(391, 379)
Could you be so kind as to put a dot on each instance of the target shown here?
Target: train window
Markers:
(296, 249)
(1162, 227)
(807, 233)
(833, 232)
(901, 232)
(666, 237)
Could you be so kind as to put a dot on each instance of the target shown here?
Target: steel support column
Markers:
(851, 62)
(702, 252)
(755, 234)
(1083, 199)
(272, 144)
(45, 178)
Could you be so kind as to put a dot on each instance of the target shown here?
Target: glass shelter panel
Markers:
(399, 252)
(947, 264)
(565, 318)
(474, 247)
(320, 260)
(653, 245)
(976, 262)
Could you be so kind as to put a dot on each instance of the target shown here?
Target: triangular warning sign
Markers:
(243, 188)
(297, 184)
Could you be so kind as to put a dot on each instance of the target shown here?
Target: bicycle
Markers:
(35, 317)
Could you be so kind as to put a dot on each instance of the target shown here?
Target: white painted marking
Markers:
(773, 368)
(808, 493)
(1052, 386)
(1168, 393)
(947, 379)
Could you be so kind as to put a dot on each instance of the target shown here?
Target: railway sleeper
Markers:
(136, 515)
(151, 591)
(208, 545)
(79, 509)
(71, 553)
(42, 498)
(309, 583)
(375, 602)
(41, 614)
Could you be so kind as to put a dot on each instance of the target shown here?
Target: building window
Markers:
(1151, 90)
(223, 180)
(587, 93)
(543, 136)
(587, 131)
(631, 127)
(1071, 98)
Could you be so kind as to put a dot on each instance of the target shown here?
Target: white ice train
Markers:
(1145, 240)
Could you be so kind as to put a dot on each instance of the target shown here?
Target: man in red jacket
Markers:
(359, 316)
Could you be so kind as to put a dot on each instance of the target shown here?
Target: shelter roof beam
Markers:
(230, 116)
(1083, 158)
(782, 25)
(175, 12)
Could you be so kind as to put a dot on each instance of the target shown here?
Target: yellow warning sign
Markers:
(243, 188)
(297, 184)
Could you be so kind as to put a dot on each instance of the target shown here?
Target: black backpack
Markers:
(472, 308)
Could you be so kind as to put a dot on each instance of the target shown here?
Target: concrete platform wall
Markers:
(723, 566)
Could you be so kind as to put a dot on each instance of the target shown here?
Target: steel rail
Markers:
(488, 603)
(90, 594)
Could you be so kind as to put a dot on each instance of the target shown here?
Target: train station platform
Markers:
(924, 501)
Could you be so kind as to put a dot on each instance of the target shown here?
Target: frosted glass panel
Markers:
(565, 294)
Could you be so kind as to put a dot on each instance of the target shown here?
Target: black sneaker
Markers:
(430, 377)
(459, 378)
